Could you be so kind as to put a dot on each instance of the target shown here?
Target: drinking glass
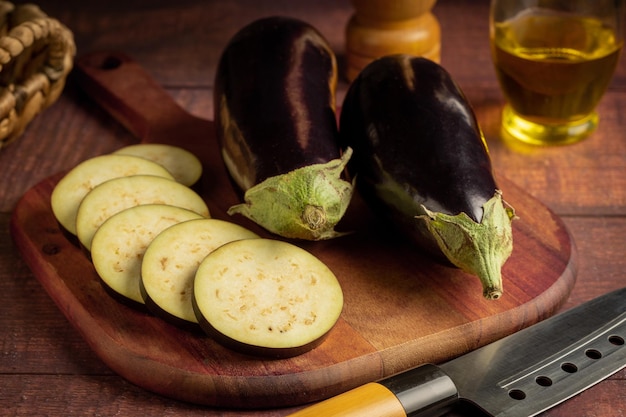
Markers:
(554, 60)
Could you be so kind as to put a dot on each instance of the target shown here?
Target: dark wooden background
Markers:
(45, 366)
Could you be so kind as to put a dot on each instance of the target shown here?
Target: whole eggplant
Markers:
(274, 103)
(421, 162)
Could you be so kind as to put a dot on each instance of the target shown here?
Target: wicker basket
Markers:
(36, 55)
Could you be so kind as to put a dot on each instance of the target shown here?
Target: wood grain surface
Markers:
(47, 367)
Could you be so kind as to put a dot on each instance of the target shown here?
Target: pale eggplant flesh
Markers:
(421, 162)
(275, 120)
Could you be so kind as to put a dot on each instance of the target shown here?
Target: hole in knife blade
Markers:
(593, 354)
(544, 381)
(517, 394)
(616, 340)
(569, 367)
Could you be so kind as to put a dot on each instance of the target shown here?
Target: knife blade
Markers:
(520, 375)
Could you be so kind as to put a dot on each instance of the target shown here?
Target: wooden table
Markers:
(45, 366)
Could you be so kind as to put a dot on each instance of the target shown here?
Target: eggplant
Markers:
(422, 164)
(274, 102)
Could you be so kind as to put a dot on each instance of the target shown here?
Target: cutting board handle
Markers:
(127, 92)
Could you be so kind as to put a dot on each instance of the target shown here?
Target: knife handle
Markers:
(371, 399)
(422, 391)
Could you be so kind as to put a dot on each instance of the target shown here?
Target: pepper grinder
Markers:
(383, 27)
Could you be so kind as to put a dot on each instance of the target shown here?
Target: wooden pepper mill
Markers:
(383, 27)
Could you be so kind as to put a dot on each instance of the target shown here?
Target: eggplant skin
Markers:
(274, 102)
(420, 157)
(406, 120)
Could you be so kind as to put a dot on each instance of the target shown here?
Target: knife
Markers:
(520, 375)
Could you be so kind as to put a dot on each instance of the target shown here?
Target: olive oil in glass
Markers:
(553, 68)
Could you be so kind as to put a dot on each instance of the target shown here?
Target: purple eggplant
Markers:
(421, 162)
(274, 103)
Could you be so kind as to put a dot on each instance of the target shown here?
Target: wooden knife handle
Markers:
(372, 399)
(422, 391)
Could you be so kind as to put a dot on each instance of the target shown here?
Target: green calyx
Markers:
(306, 203)
(480, 249)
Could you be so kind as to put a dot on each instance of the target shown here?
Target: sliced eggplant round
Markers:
(119, 244)
(72, 188)
(117, 194)
(274, 103)
(266, 297)
(422, 163)
(182, 164)
(170, 263)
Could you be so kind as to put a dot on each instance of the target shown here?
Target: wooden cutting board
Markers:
(401, 309)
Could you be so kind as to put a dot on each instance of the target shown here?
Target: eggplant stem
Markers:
(306, 203)
(480, 249)
(492, 293)
(314, 216)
